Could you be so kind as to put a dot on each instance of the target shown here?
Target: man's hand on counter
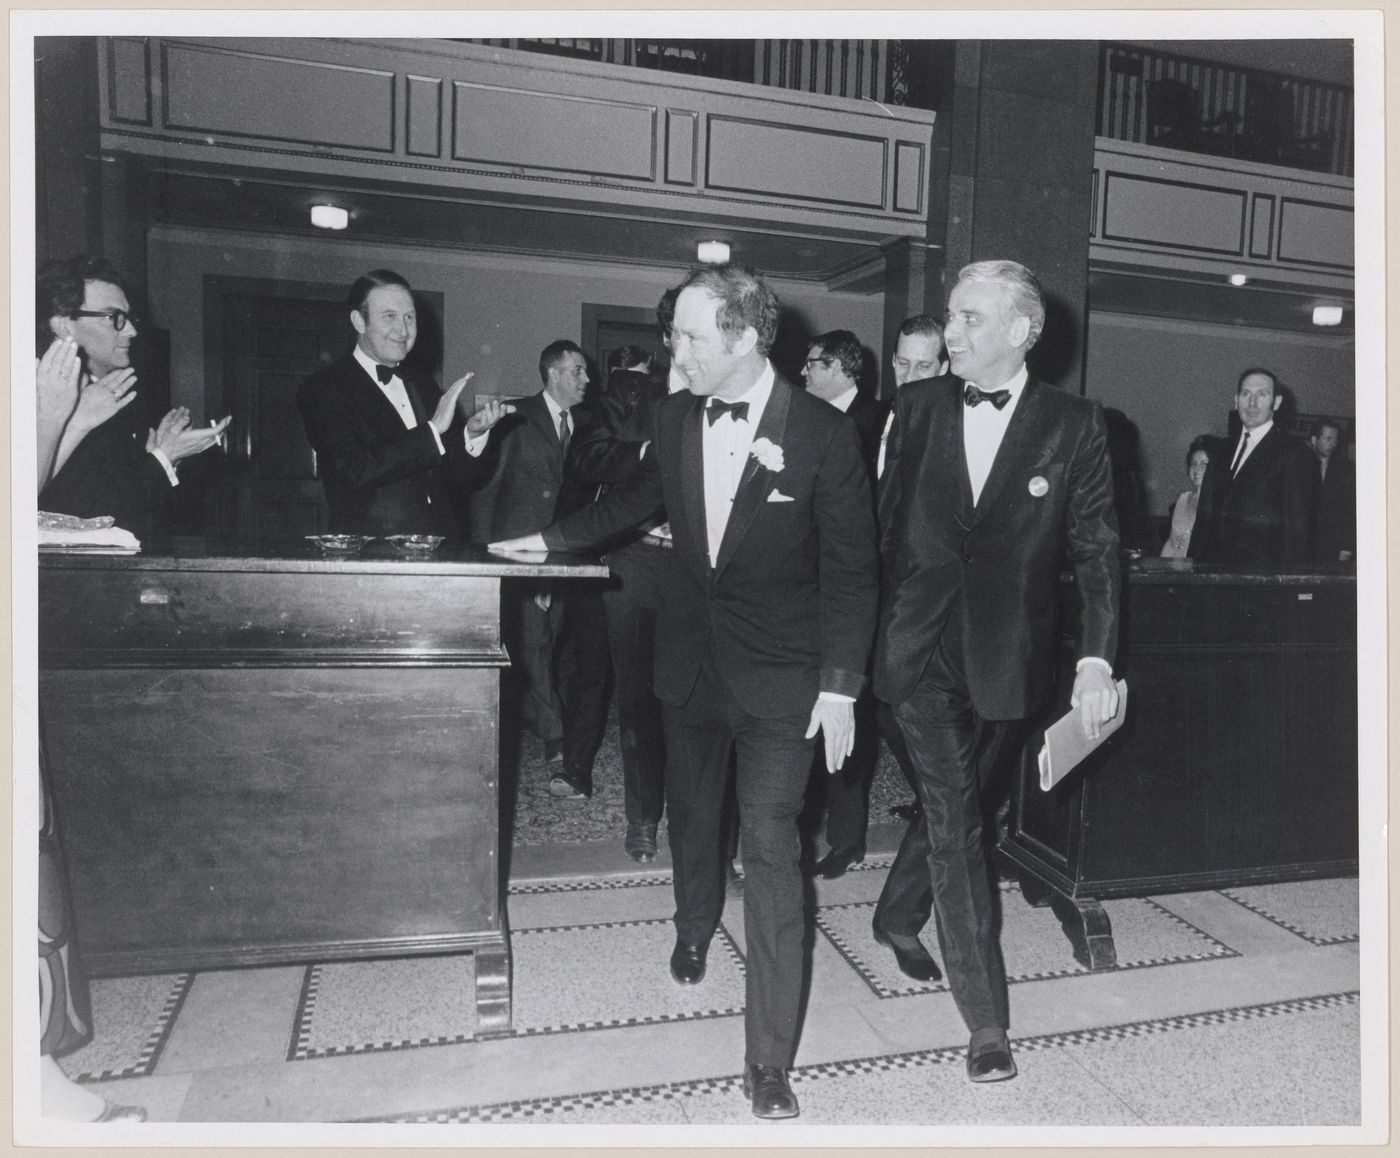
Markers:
(524, 545)
(1096, 697)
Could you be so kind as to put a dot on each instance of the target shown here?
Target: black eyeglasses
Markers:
(818, 361)
(119, 318)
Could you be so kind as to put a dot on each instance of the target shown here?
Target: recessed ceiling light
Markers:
(1327, 315)
(713, 252)
(1239, 279)
(329, 217)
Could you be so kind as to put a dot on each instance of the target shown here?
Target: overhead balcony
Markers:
(504, 131)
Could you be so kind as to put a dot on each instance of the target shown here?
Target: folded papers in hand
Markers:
(69, 533)
(1066, 745)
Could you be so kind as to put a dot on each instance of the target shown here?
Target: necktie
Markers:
(973, 396)
(1239, 455)
(564, 431)
(384, 374)
(739, 411)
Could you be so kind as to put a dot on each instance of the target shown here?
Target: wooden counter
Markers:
(1236, 764)
(261, 755)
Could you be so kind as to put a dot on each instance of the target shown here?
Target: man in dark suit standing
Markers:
(561, 628)
(384, 457)
(832, 371)
(991, 479)
(1255, 508)
(766, 632)
(1334, 501)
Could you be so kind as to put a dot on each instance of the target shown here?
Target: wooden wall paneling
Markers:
(1261, 232)
(1174, 213)
(682, 143)
(910, 179)
(423, 107)
(1313, 233)
(129, 80)
(787, 162)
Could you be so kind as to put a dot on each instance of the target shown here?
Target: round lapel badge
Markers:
(1038, 487)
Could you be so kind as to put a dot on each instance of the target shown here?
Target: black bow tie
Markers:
(998, 398)
(739, 411)
(384, 374)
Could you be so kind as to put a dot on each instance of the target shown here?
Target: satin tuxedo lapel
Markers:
(1023, 433)
(382, 411)
(755, 482)
(692, 460)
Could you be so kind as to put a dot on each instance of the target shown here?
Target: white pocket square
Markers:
(779, 497)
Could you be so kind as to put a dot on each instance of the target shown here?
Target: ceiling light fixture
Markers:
(1327, 315)
(329, 217)
(713, 252)
(1239, 279)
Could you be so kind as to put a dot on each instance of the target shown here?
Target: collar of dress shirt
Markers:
(756, 395)
(555, 410)
(1016, 383)
(1256, 434)
(369, 364)
(842, 402)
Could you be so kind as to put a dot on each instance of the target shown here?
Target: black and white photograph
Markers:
(596, 581)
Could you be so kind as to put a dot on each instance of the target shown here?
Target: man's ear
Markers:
(1278, 401)
(745, 342)
(1020, 330)
(357, 320)
(61, 326)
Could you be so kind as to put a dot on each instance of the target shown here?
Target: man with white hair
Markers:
(990, 479)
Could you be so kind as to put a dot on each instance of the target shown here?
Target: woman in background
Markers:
(1183, 512)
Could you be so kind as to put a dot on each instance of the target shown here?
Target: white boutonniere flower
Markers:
(769, 456)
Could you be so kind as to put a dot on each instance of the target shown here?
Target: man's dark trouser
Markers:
(773, 761)
(943, 856)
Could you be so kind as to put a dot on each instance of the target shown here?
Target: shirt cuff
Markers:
(437, 438)
(167, 466)
(1103, 663)
(476, 443)
(836, 698)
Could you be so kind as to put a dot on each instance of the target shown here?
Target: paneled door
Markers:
(271, 345)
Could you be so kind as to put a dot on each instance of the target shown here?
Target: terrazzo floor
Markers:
(1230, 1010)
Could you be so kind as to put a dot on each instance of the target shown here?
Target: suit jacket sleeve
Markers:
(1092, 533)
(603, 453)
(848, 564)
(338, 434)
(637, 500)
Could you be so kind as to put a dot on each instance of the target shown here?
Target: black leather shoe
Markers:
(906, 811)
(913, 962)
(991, 1063)
(641, 842)
(837, 861)
(688, 963)
(768, 1092)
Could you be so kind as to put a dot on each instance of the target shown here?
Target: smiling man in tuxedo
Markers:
(383, 456)
(766, 632)
(991, 480)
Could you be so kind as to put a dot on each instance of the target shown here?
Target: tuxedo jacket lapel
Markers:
(692, 460)
(753, 485)
(378, 408)
(1015, 445)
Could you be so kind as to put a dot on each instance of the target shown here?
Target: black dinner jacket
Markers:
(789, 606)
(380, 478)
(869, 416)
(530, 487)
(1262, 517)
(1050, 492)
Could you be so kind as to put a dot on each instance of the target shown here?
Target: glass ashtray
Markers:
(415, 544)
(340, 544)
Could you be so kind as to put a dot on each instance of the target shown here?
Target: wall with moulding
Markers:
(499, 310)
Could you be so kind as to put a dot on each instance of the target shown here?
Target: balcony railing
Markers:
(1202, 106)
(877, 70)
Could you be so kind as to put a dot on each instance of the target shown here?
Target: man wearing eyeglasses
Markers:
(105, 467)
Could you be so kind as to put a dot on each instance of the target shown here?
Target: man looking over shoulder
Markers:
(767, 629)
(380, 452)
(991, 479)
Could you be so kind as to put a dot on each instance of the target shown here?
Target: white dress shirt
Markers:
(397, 394)
(842, 402)
(1255, 437)
(984, 426)
(725, 446)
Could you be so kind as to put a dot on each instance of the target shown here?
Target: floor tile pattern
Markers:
(135, 1016)
(1034, 945)
(1324, 912)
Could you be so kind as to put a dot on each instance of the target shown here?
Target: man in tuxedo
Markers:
(766, 632)
(1255, 508)
(108, 462)
(384, 457)
(560, 627)
(1334, 502)
(991, 480)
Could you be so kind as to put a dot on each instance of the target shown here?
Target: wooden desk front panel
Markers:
(242, 816)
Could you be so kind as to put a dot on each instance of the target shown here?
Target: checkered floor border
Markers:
(155, 1040)
(543, 1109)
(1283, 923)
